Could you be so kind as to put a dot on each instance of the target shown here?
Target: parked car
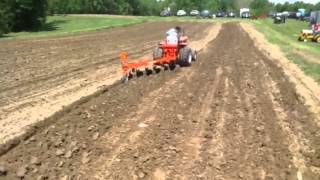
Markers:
(285, 13)
(194, 13)
(181, 13)
(220, 14)
(205, 14)
(246, 14)
(292, 15)
(165, 13)
(231, 14)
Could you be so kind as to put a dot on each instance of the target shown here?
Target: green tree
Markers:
(278, 7)
(5, 16)
(28, 14)
(317, 6)
(260, 7)
(293, 7)
(148, 7)
(226, 5)
(212, 6)
(243, 3)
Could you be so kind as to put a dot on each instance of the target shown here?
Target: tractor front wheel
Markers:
(185, 56)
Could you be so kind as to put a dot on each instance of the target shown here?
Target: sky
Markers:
(292, 1)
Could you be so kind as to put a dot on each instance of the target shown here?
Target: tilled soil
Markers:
(39, 77)
(232, 115)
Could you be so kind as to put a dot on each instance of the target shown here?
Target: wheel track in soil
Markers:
(246, 153)
(144, 116)
(232, 115)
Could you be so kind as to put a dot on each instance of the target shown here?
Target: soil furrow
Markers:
(52, 83)
(234, 114)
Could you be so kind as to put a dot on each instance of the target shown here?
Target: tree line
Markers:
(263, 7)
(135, 7)
(17, 15)
(292, 7)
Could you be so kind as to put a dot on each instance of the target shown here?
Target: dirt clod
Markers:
(3, 170)
(66, 177)
(68, 154)
(21, 172)
(141, 174)
(60, 164)
(240, 175)
(60, 152)
(180, 117)
(42, 177)
(95, 136)
(85, 158)
(35, 161)
(91, 128)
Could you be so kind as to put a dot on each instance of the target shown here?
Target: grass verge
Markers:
(62, 25)
(305, 54)
(71, 24)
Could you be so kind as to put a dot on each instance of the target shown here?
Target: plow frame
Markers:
(170, 55)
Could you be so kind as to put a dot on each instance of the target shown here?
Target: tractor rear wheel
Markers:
(318, 39)
(157, 53)
(185, 56)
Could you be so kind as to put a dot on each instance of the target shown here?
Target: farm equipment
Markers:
(309, 35)
(166, 54)
(279, 18)
(314, 33)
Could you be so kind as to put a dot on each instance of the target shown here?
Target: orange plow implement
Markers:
(164, 55)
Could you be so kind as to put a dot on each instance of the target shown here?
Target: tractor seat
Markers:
(307, 31)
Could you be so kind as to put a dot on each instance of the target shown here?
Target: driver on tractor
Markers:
(173, 35)
(312, 34)
(316, 28)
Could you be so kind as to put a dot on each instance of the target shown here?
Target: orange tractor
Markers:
(166, 55)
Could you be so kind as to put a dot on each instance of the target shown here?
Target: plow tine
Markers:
(148, 71)
(134, 67)
(125, 79)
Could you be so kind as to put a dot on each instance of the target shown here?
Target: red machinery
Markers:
(164, 54)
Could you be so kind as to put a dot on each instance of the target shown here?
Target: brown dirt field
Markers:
(234, 114)
(306, 87)
(39, 77)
